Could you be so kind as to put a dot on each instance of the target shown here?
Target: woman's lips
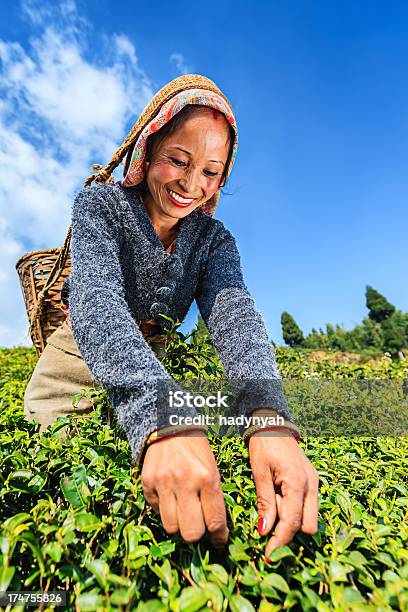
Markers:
(178, 203)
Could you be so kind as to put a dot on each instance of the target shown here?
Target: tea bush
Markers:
(73, 516)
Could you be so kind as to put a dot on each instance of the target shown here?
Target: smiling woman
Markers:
(149, 245)
(171, 190)
(187, 175)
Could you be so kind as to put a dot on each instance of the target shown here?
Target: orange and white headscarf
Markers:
(202, 97)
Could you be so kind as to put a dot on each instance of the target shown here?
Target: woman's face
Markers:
(186, 167)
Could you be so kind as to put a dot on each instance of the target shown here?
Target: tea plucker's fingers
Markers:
(213, 506)
(295, 483)
(178, 472)
(150, 493)
(265, 496)
(311, 503)
(200, 501)
(291, 510)
(189, 514)
(168, 509)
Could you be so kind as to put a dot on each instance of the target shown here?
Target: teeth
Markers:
(177, 197)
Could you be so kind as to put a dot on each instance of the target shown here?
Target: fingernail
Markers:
(261, 525)
(267, 560)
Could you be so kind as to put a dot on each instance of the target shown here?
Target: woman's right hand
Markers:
(180, 480)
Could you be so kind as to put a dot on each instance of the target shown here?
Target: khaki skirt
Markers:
(61, 373)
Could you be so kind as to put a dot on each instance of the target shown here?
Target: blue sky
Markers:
(318, 192)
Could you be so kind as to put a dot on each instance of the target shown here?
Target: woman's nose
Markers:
(191, 182)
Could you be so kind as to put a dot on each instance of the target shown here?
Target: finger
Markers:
(151, 496)
(266, 501)
(168, 510)
(278, 498)
(215, 516)
(189, 515)
(311, 505)
(290, 516)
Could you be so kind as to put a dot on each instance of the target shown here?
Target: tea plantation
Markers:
(73, 516)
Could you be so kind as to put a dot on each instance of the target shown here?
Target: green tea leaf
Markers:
(100, 569)
(249, 577)
(237, 553)
(139, 551)
(214, 595)
(54, 550)
(75, 491)
(192, 599)
(6, 576)
(280, 553)
(338, 572)
(85, 521)
(276, 581)
(218, 572)
(238, 603)
(89, 602)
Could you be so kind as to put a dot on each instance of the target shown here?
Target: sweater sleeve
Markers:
(238, 330)
(107, 335)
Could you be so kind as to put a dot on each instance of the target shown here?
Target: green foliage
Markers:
(385, 330)
(306, 364)
(291, 332)
(318, 340)
(395, 332)
(379, 307)
(73, 516)
(365, 338)
(370, 334)
(189, 355)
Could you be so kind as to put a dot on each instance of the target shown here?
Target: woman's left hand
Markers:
(280, 463)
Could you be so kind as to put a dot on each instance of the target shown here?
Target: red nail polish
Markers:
(261, 525)
(267, 560)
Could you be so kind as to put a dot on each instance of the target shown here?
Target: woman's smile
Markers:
(177, 199)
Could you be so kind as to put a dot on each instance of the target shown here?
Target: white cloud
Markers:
(13, 329)
(124, 48)
(34, 12)
(178, 61)
(62, 108)
(64, 16)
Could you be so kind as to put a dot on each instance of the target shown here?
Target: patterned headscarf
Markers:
(203, 97)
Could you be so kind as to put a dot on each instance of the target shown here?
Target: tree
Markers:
(291, 332)
(395, 330)
(372, 334)
(316, 340)
(340, 339)
(384, 329)
(379, 307)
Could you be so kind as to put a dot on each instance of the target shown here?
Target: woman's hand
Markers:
(280, 463)
(180, 480)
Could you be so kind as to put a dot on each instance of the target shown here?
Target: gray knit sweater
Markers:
(122, 275)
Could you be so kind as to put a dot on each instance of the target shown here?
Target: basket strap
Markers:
(52, 278)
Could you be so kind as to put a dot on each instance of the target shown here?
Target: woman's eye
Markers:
(178, 162)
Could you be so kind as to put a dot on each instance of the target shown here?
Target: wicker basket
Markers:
(34, 271)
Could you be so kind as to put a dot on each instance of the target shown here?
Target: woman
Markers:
(147, 246)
